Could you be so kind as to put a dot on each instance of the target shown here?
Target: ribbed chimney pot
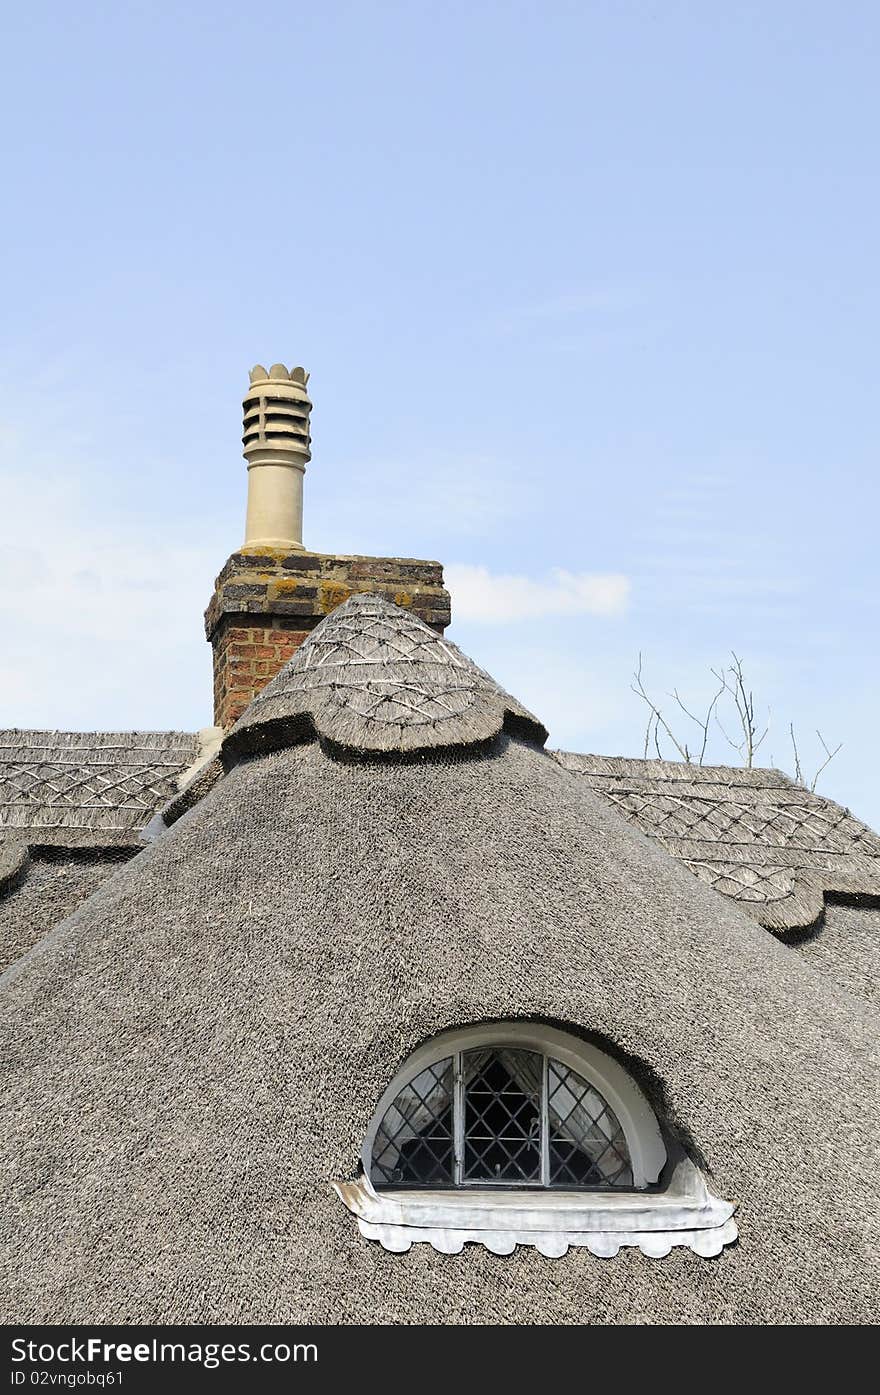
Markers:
(277, 445)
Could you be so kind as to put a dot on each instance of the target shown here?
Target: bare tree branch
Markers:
(740, 707)
(744, 704)
(656, 737)
(702, 723)
(829, 757)
(638, 687)
(725, 689)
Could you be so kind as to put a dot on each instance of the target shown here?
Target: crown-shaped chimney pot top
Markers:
(278, 374)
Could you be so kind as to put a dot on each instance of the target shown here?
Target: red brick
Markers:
(245, 660)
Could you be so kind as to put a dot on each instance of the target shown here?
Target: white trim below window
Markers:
(684, 1213)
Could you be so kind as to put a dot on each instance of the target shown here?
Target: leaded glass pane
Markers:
(586, 1144)
(502, 1116)
(414, 1142)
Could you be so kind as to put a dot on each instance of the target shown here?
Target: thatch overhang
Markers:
(777, 849)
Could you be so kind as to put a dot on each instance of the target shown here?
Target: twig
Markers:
(704, 724)
(638, 687)
(829, 757)
(798, 772)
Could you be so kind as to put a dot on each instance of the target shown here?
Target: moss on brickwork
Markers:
(267, 601)
(332, 596)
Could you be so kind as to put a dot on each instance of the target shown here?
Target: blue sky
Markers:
(589, 297)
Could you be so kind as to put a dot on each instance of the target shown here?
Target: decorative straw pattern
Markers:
(74, 788)
(373, 677)
(754, 835)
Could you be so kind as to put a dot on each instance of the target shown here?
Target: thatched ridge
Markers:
(374, 677)
(78, 788)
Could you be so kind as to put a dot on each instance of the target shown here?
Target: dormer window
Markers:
(518, 1134)
(500, 1116)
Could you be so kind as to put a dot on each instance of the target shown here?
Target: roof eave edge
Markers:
(303, 725)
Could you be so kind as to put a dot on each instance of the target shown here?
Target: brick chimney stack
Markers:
(273, 592)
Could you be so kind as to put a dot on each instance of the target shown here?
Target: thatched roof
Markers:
(846, 947)
(368, 680)
(82, 789)
(73, 805)
(754, 835)
(41, 888)
(195, 1054)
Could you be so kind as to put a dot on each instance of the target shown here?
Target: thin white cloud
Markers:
(100, 617)
(478, 595)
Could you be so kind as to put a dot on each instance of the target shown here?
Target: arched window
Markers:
(517, 1133)
(500, 1116)
(513, 1104)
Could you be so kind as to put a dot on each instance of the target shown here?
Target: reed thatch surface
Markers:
(845, 948)
(196, 1052)
(75, 788)
(50, 884)
(374, 677)
(754, 835)
(72, 807)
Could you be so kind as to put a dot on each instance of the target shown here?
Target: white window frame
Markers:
(647, 1150)
(684, 1212)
